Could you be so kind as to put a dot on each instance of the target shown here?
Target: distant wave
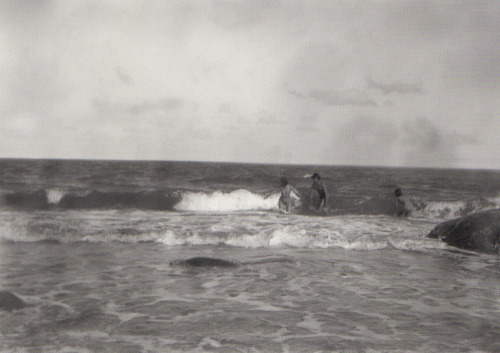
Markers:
(230, 201)
(92, 199)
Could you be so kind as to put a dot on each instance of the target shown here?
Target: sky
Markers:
(386, 83)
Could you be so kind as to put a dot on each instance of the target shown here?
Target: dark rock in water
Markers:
(478, 231)
(9, 301)
(204, 262)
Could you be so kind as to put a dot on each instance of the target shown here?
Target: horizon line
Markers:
(249, 163)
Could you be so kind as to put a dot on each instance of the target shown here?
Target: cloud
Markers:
(457, 39)
(418, 142)
(435, 22)
(395, 87)
(124, 78)
(107, 105)
(307, 123)
(329, 97)
(225, 108)
(475, 65)
(250, 75)
(427, 145)
(243, 13)
(365, 141)
(278, 152)
(163, 105)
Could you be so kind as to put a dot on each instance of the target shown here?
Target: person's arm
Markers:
(326, 194)
(296, 191)
(266, 195)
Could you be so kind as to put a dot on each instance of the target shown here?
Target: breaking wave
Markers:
(218, 201)
(451, 209)
(250, 230)
(229, 201)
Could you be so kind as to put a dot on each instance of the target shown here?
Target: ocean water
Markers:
(88, 245)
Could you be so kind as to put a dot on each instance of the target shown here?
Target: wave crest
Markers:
(218, 201)
(231, 201)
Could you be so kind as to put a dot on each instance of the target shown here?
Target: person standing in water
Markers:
(318, 194)
(285, 201)
(401, 210)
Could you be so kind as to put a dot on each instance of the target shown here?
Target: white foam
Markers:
(55, 195)
(362, 243)
(171, 238)
(210, 342)
(495, 200)
(444, 209)
(246, 230)
(416, 243)
(168, 238)
(218, 201)
(439, 210)
(10, 231)
(292, 236)
(454, 209)
(259, 240)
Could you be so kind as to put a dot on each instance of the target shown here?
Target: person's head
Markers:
(284, 181)
(316, 177)
(398, 192)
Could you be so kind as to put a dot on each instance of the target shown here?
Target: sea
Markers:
(95, 250)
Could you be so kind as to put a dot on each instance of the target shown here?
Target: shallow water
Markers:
(95, 297)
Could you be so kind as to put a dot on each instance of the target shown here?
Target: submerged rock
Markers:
(9, 301)
(204, 262)
(479, 231)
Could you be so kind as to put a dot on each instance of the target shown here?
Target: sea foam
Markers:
(54, 195)
(218, 201)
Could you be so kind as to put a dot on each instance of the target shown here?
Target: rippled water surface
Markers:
(94, 297)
